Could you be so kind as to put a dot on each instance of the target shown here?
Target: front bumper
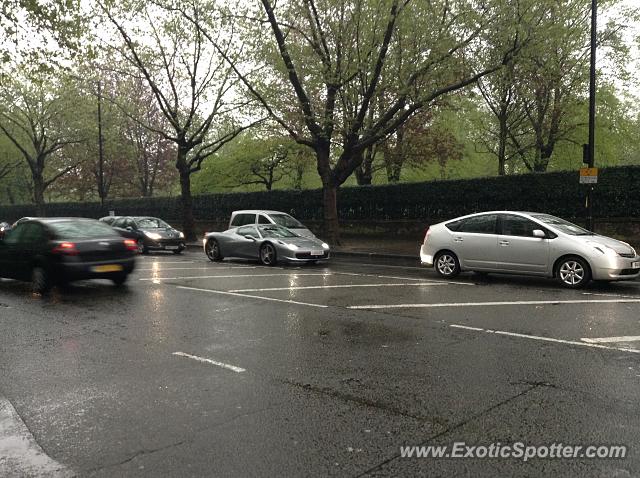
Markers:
(165, 244)
(304, 256)
(617, 268)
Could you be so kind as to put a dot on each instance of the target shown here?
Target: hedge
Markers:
(616, 195)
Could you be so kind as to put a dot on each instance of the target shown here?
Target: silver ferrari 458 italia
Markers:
(268, 243)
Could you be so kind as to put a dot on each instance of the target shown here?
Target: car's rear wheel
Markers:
(40, 280)
(447, 264)
(178, 251)
(212, 250)
(573, 272)
(268, 255)
(120, 279)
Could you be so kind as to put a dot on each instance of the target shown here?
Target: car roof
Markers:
(522, 213)
(258, 211)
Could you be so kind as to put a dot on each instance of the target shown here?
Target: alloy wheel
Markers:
(268, 255)
(446, 264)
(572, 272)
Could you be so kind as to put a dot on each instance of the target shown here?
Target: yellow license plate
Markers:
(107, 268)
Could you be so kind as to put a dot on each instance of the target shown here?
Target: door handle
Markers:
(504, 243)
(458, 239)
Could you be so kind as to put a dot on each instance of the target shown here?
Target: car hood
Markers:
(302, 231)
(618, 246)
(164, 233)
(303, 242)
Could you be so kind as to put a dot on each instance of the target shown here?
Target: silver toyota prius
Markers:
(529, 243)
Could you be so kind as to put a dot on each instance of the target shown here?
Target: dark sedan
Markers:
(150, 233)
(60, 250)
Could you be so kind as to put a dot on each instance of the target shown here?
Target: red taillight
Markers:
(426, 236)
(67, 248)
(131, 245)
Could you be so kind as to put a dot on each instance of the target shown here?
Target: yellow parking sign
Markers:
(588, 175)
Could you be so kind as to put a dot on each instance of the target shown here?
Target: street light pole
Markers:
(592, 110)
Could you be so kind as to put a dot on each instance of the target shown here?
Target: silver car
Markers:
(268, 243)
(527, 243)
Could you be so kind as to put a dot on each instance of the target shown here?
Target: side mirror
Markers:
(539, 234)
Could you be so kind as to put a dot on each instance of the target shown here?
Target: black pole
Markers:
(101, 185)
(592, 110)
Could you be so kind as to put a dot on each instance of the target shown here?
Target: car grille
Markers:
(629, 272)
(307, 255)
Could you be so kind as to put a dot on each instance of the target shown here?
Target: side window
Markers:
(119, 222)
(14, 235)
(262, 219)
(480, 224)
(517, 226)
(243, 220)
(130, 223)
(454, 226)
(29, 233)
(249, 231)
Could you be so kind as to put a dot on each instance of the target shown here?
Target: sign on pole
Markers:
(588, 175)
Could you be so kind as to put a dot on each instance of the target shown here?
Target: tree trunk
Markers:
(38, 193)
(330, 207)
(188, 222)
(502, 147)
(364, 172)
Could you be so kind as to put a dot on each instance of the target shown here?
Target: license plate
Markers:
(172, 248)
(107, 268)
(317, 253)
(635, 265)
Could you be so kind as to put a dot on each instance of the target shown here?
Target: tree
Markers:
(34, 117)
(328, 61)
(192, 86)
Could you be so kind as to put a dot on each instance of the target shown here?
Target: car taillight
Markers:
(131, 245)
(67, 248)
(426, 236)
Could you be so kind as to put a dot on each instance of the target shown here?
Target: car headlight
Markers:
(154, 236)
(325, 245)
(182, 235)
(293, 247)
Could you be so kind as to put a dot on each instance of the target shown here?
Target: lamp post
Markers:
(591, 147)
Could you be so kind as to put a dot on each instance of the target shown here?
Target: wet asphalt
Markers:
(234, 369)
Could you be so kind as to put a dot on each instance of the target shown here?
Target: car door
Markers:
(23, 246)
(10, 264)
(247, 242)
(518, 249)
(476, 241)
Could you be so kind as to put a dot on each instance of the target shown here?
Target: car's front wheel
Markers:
(212, 249)
(142, 249)
(120, 279)
(447, 264)
(573, 272)
(268, 255)
(40, 280)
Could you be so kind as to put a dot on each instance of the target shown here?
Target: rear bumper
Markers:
(70, 271)
(426, 259)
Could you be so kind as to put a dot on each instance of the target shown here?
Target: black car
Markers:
(150, 233)
(60, 250)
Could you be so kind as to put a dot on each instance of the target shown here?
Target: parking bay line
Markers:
(422, 279)
(494, 304)
(546, 339)
(231, 276)
(212, 362)
(606, 340)
(340, 286)
(269, 299)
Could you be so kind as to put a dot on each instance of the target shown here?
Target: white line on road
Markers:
(547, 339)
(341, 286)
(20, 454)
(493, 304)
(606, 340)
(160, 269)
(612, 295)
(271, 299)
(421, 279)
(232, 276)
(212, 362)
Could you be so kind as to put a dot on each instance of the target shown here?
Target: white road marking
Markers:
(421, 279)
(20, 454)
(212, 362)
(466, 327)
(612, 295)
(606, 340)
(232, 276)
(212, 268)
(493, 304)
(270, 299)
(341, 286)
(549, 339)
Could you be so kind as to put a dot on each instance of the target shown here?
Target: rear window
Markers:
(285, 220)
(81, 230)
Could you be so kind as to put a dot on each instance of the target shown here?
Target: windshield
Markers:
(74, 230)
(562, 225)
(151, 223)
(285, 220)
(276, 232)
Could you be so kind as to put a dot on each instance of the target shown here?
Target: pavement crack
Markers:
(460, 424)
